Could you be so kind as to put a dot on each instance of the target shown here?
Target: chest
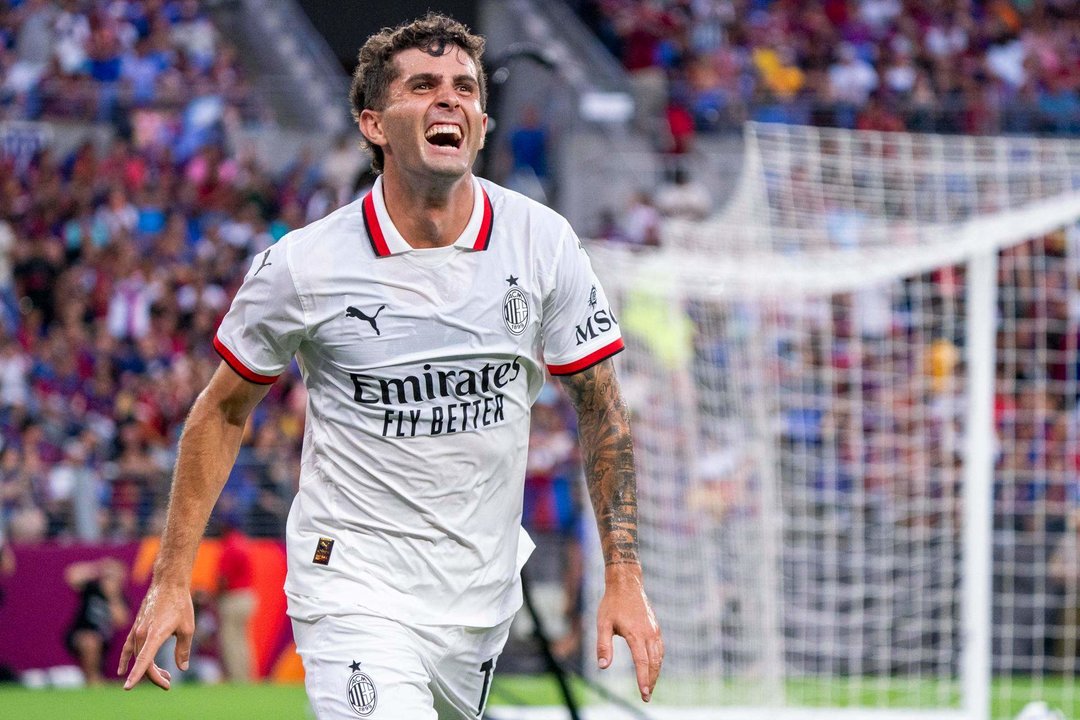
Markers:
(449, 304)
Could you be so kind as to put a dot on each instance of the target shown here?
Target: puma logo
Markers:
(356, 313)
(266, 255)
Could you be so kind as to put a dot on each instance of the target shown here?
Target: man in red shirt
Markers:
(236, 601)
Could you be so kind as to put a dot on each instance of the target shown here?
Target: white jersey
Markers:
(421, 367)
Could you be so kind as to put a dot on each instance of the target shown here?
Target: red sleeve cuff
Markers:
(240, 368)
(589, 360)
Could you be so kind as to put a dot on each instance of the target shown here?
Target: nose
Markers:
(447, 98)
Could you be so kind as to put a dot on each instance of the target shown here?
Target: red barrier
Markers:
(38, 606)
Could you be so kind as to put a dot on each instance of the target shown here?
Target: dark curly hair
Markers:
(375, 68)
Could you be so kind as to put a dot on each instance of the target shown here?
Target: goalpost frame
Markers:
(978, 485)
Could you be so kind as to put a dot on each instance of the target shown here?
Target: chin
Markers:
(450, 168)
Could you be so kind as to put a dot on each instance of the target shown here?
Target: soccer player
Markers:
(422, 318)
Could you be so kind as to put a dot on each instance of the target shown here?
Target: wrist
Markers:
(166, 582)
(171, 577)
(622, 571)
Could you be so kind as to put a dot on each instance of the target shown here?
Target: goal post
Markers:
(845, 495)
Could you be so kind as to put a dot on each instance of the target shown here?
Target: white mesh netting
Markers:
(798, 369)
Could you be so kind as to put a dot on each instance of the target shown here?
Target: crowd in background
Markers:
(122, 266)
(956, 66)
(95, 61)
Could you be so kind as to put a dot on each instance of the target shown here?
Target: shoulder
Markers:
(309, 246)
(327, 229)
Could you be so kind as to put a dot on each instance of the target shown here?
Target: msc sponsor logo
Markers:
(595, 325)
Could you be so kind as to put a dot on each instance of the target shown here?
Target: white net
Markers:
(816, 527)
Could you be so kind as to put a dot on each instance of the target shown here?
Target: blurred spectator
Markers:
(205, 663)
(528, 142)
(876, 115)
(236, 601)
(1064, 572)
(851, 80)
(9, 306)
(102, 610)
(640, 223)
(683, 197)
(36, 274)
(341, 168)
(680, 129)
(607, 227)
(73, 495)
(194, 35)
(33, 46)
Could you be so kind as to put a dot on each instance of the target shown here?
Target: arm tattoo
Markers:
(608, 456)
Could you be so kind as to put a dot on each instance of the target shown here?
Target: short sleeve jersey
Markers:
(421, 367)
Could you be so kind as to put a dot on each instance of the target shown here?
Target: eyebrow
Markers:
(433, 77)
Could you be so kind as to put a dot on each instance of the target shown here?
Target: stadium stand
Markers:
(921, 65)
(117, 261)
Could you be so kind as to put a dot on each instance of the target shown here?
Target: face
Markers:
(432, 123)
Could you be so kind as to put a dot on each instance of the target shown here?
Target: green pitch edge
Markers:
(288, 702)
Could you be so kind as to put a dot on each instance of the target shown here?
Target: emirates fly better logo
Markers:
(515, 308)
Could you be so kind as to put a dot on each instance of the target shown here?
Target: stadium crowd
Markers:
(961, 66)
(85, 60)
(120, 267)
(117, 262)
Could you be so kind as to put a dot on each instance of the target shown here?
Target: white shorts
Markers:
(368, 666)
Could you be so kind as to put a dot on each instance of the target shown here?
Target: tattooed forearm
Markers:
(608, 455)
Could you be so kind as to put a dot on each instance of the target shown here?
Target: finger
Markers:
(159, 677)
(138, 669)
(640, 653)
(128, 651)
(183, 649)
(144, 666)
(603, 644)
(656, 661)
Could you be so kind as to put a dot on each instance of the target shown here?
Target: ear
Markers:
(371, 126)
(483, 130)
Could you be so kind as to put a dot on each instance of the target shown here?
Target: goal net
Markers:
(855, 414)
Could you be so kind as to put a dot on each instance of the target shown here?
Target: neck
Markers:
(427, 213)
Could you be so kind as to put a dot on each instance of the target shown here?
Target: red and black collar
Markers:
(386, 240)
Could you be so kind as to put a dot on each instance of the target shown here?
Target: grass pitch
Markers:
(210, 702)
(288, 702)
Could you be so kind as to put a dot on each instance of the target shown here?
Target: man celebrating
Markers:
(422, 318)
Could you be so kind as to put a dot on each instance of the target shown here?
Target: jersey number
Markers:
(486, 668)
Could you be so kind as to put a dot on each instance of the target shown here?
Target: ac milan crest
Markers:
(361, 692)
(515, 311)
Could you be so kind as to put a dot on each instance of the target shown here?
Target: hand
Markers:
(625, 610)
(166, 610)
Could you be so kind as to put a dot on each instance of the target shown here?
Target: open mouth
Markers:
(444, 135)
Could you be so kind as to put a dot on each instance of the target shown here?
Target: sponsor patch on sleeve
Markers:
(322, 551)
